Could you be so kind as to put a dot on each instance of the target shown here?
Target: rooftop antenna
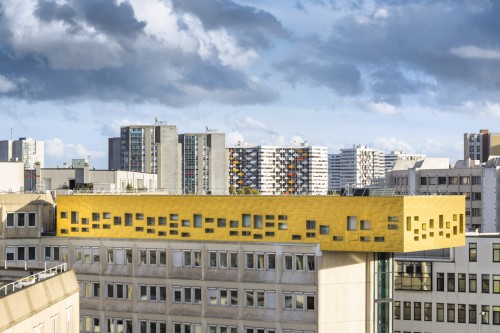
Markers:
(207, 130)
(160, 121)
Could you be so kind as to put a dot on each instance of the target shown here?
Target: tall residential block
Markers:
(355, 167)
(480, 146)
(27, 150)
(279, 170)
(189, 163)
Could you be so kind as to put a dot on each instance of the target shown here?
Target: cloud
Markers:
(474, 52)
(343, 78)
(234, 138)
(6, 85)
(54, 147)
(130, 51)
(388, 144)
(254, 27)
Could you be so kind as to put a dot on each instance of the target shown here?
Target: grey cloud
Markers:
(254, 27)
(106, 16)
(343, 78)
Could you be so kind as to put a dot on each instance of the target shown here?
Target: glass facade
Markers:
(383, 277)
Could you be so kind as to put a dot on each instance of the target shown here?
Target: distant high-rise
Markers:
(279, 170)
(190, 163)
(114, 145)
(27, 150)
(480, 146)
(355, 167)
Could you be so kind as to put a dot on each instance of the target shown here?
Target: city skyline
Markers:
(407, 76)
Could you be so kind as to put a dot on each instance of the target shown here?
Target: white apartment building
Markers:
(279, 170)
(479, 183)
(456, 291)
(27, 150)
(355, 167)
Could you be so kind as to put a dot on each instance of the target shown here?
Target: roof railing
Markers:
(32, 279)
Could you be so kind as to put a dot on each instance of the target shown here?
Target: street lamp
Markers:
(481, 315)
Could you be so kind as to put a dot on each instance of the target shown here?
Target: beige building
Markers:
(47, 301)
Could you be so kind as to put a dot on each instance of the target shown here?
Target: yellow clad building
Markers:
(251, 264)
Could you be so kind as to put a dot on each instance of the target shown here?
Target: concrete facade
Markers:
(454, 293)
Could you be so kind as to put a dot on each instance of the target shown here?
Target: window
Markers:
(221, 223)
(461, 282)
(451, 313)
(128, 219)
(162, 220)
(96, 216)
(496, 252)
(461, 313)
(472, 283)
(407, 310)
(472, 313)
(496, 315)
(246, 221)
(428, 311)
(352, 223)
(310, 225)
(476, 196)
(464, 180)
(31, 219)
(473, 252)
(451, 282)
(452, 180)
(249, 260)
(496, 284)
(324, 230)
(74, 217)
(197, 220)
(485, 283)
(439, 312)
(417, 311)
(397, 310)
(485, 314)
(21, 220)
(257, 221)
(476, 212)
(212, 259)
(365, 224)
(476, 180)
(414, 276)
(440, 282)
(10, 220)
(423, 180)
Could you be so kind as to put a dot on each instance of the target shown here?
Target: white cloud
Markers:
(234, 138)
(492, 109)
(382, 108)
(6, 85)
(474, 52)
(54, 147)
(388, 144)
(381, 13)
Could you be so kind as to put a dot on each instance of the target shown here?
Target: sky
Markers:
(394, 75)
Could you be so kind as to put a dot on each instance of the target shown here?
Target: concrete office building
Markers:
(253, 264)
(479, 183)
(47, 301)
(279, 170)
(189, 163)
(355, 167)
(27, 150)
(455, 291)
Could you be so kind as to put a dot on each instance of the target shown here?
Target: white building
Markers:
(279, 170)
(456, 291)
(14, 182)
(27, 150)
(355, 167)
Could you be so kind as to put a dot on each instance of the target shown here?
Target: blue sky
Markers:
(403, 75)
